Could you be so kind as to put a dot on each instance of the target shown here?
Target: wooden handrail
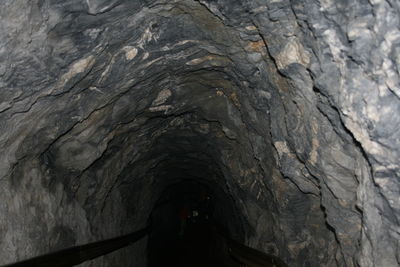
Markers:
(79, 254)
(249, 256)
(252, 257)
(76, 255)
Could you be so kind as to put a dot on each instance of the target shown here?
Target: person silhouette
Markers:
(183, 216)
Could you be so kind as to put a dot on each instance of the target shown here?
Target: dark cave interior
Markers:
(118, 114)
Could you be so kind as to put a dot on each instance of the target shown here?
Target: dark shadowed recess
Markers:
(208, 205)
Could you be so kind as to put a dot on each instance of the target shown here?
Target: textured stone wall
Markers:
(291, 107)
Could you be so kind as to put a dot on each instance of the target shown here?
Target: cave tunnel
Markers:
(282, 114)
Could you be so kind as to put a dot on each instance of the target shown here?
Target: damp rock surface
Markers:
(289, 108)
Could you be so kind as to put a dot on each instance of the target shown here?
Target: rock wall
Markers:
(289, 106)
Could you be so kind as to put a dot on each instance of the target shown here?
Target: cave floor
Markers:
(200, 246)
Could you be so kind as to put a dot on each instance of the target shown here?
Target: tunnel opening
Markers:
(282, 110)
(188, 177)
(184, 221)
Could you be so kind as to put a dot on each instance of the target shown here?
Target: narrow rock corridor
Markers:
(283, 114)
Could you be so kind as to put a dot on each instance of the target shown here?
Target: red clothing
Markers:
(184, 214)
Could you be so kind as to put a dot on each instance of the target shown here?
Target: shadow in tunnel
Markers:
(183, 231)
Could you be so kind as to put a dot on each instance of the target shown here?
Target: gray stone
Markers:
(288, 108)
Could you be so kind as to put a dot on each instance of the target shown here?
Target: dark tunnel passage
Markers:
(273, 120)
(182, 221)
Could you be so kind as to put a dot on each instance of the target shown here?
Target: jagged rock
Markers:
(289, 108)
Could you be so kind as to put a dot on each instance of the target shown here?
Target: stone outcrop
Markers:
(290, 108)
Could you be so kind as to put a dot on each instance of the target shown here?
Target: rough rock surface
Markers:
(291, 107)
